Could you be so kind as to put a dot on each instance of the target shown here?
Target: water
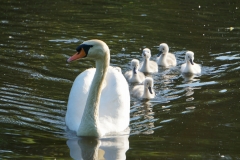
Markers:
(191, 117)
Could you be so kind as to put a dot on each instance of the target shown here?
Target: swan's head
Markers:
(163, 49)
(148, 83)
(189, 56)
(94, 49)
(135, 65)
(146, 53)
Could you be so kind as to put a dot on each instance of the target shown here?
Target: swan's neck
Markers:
(145, 65)
(146, 93)
(163, 57)
(189, 63)
(89, 125)
(135, 76)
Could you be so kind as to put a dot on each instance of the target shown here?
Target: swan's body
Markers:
(99, 101)
(190, 67)
(144, 91)
(148, 66)
(165, 59)
(134, 75)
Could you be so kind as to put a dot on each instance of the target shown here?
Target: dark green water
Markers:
(188, 120)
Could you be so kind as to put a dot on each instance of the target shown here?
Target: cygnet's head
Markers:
(135, 65)
(163, 49)
(146, 53)
(148, 83)
(189, 56)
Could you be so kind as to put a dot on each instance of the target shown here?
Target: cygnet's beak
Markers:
(159, 53)
(150, 89)
(134, 70)
(191, 61)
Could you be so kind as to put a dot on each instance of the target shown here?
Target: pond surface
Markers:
(190, 118)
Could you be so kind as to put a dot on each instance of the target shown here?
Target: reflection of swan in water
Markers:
(143, 118)
(108, 148)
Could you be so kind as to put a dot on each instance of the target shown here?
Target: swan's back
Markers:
(171, 59)
(114, 107)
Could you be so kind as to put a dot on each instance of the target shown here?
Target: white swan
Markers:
(134, 75)
(148, 66)
(99, 101)
(164, 58)
(144, 91)
(190, 67)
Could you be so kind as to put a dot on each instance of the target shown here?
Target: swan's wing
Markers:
(171, 55)
(128, 75)
(137, 91)
(141, 76)
(154, 66)
(171, 59)
(77, 98)
(197, 68)
(115, 103)
(183, 66)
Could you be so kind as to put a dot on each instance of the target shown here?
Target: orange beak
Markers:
(77, 56)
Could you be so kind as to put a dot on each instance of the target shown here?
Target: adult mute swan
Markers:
(164, 58)
(144, 91)
(134, 75)
(99, 101)
(148, 66)
(190, 67)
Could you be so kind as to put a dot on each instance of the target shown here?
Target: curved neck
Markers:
(90, 119)
(146, 93)
(163, 57)
(145, 65)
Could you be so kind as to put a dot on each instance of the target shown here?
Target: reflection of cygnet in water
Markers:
(144, 91)
(112, 148)
(189, 78)
(190, 67)
(134, 75)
